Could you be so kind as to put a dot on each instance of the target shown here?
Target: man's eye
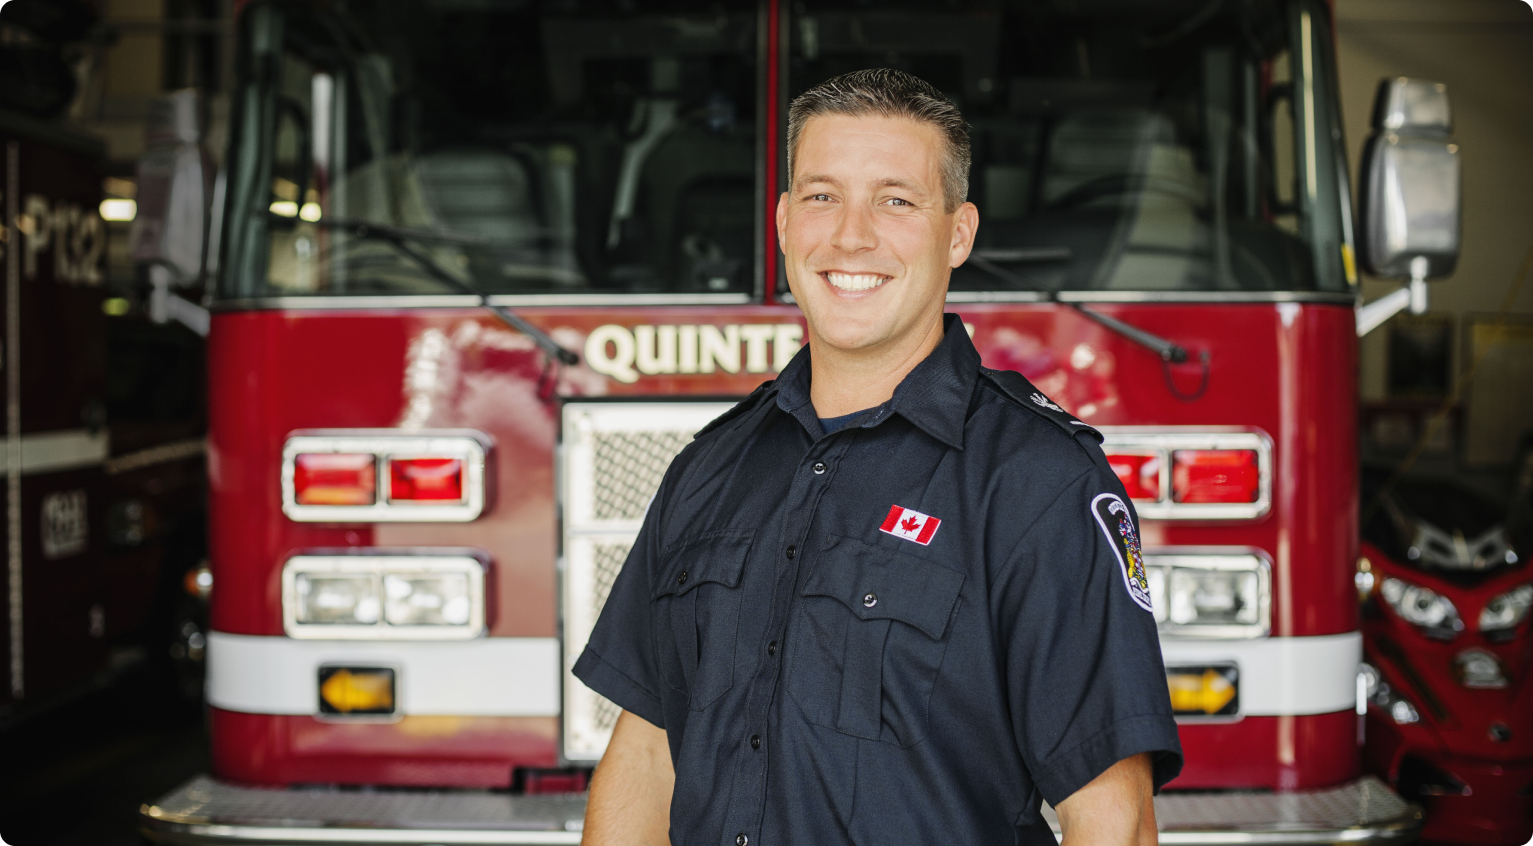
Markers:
(822, 198)
(896, 201)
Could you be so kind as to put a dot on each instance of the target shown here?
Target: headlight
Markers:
(1380, 695)
(1423, 607)
(326, 600)
(417, 599)
(1210, 595)
(1506, 610)
(383, 597)
(1476, 668)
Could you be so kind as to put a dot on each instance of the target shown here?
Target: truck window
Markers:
(533, 147)
(1120, 145)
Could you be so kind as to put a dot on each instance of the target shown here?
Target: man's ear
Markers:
(965, 227)
(782, 219)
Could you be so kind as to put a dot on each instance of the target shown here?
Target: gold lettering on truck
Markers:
(625, 353)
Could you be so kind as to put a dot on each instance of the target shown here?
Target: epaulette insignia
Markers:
(1015, 386)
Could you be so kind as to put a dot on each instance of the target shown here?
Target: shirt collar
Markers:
(934, 396)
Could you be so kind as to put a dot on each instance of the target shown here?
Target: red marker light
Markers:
(326, 478)
(427, 480)
(1140, 475)
(1215, 475)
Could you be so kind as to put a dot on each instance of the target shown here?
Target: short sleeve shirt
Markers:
(912, 629)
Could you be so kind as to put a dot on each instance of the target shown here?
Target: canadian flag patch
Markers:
(911, 525)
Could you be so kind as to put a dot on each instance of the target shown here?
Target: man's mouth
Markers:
(854, 281)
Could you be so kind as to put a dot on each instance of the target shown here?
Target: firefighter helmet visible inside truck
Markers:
(417, 508)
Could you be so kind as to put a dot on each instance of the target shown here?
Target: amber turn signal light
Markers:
(356, 690)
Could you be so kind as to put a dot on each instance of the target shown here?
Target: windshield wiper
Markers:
(1169, 352)
(399, 237)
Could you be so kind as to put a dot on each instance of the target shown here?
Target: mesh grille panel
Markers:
(607, 559)
(615, 456)
(628, 467)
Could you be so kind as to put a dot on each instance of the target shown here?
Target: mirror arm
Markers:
(1412, 297)
(165, 306)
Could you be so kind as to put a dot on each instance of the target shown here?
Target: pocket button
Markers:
(682, 579)
(870, 600)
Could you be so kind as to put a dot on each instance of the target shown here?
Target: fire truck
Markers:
(103, 416)
(487, 266)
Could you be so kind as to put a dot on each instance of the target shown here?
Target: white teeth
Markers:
(855, 282)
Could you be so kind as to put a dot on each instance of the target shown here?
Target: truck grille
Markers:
(614, 456)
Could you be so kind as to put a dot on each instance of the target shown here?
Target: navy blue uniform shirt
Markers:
(909, 630)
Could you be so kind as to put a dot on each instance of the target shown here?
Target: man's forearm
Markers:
(630, 803)
(1116, 809)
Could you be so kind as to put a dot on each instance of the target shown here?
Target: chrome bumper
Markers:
(1358, 812)
(204, 811)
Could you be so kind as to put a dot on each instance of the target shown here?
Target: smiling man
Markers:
(893, 597)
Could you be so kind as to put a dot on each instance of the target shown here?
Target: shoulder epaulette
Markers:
(1015, 386)
(740, 408)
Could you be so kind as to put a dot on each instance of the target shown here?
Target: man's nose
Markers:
(855, 230)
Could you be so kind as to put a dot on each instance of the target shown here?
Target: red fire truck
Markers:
(103, 437)
(487, 266)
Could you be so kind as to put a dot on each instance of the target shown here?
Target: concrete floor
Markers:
(77, 773)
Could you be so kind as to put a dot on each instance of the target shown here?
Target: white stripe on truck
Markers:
(488, 677)
(1281, 676)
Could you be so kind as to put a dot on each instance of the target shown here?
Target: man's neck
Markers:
(848, 381)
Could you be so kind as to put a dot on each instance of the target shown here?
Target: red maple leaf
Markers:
(910, 524)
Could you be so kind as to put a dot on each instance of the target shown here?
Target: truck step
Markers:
(1361, 811)
(204, 811)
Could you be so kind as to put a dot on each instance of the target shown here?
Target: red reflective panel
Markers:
(329, 478)
(425, 480)
(1214, 475)
(1140, 474)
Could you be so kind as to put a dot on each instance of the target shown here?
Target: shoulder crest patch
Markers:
(1113, 516)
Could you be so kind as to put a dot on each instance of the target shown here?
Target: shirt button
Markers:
(772, 648)
(792, 551)
(741, 839)
(819, 468)
(682, 579)
(755, 741)
(870, 600)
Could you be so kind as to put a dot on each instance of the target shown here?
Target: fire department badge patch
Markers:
(1113, 516)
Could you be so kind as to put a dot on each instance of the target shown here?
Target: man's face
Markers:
(868, 243)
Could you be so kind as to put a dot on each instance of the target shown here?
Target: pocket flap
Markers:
(713, 557)
(880, 584)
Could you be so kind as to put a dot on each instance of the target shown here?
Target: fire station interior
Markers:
(614, 148)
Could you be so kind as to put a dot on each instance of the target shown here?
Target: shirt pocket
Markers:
(696, 614)
(869, 638)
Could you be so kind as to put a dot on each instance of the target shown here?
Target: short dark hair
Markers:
(890, 93)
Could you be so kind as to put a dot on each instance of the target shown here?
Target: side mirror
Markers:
(170, 230)
(1411, 194)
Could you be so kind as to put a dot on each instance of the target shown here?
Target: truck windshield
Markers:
(579, 147)
(1119, 145)
(554, 147)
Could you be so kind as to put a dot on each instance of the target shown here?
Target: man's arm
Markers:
(630, 803)
(1116, 808)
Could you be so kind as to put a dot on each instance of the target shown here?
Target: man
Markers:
(892, 597)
